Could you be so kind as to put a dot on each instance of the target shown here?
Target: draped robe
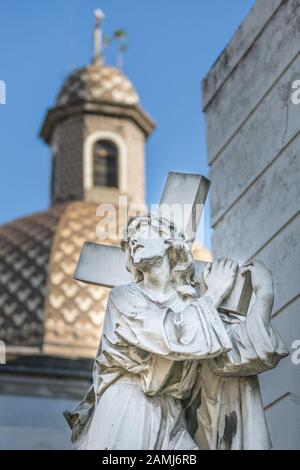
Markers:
(176, 376)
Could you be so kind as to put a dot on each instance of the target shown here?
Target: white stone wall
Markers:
(31, 410)
(253, 147)
(31, 423)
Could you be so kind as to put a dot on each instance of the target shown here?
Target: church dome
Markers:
(42, 306)
(98, 83)
(25, 246)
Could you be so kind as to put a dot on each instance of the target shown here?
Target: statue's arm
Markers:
(195, 333)
(263, 288)
(257, 346)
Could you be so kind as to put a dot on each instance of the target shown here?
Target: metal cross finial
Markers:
(99, 15)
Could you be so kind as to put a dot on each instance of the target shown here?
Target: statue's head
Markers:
(147, 239)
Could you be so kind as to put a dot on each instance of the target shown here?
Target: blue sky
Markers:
(172, 45)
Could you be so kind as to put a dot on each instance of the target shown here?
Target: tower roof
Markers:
(98, 83)
(97, 88)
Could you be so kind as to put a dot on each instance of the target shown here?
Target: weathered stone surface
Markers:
(282, 420)
(277, 255)
(282, 257)
(267, 131)
(253, 149)
(243, 38)
(269, 204)
(259, 69)
(288, 323)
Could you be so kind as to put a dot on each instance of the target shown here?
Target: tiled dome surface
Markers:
(25, 246)
(98, 83)
(41, 305)
(74, 311)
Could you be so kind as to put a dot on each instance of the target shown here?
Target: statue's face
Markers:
(146, 245)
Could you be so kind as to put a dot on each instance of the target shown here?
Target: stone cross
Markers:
(105, 265)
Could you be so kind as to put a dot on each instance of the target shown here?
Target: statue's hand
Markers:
(219, 277)
(261, 277)
(262, 282)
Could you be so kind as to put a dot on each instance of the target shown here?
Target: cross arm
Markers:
(104, 265)
(187, 192)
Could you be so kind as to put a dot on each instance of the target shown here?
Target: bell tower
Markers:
(97, 132)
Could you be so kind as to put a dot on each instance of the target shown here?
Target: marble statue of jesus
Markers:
(171, 371)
